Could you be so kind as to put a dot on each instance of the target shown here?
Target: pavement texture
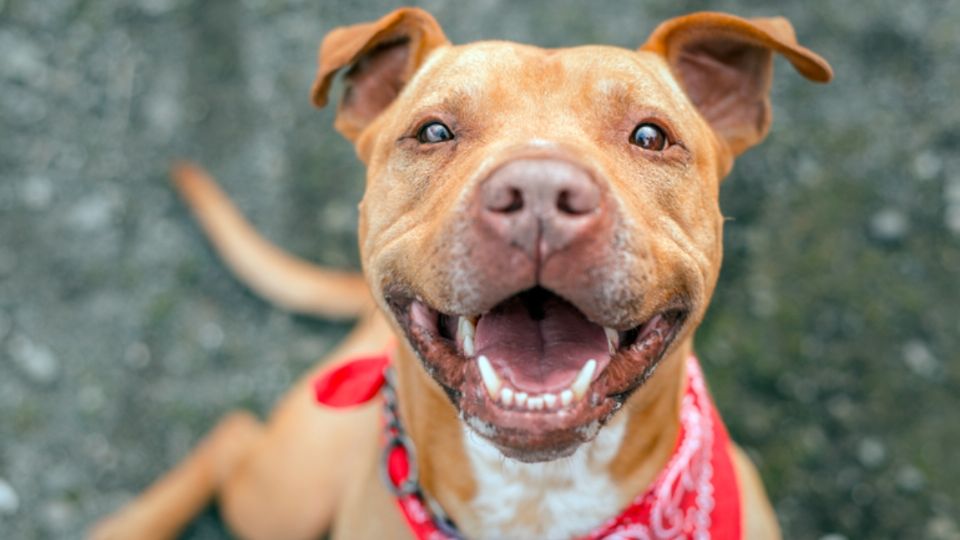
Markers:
(833, 343)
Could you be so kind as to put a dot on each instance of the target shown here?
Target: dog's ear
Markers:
(382, 56)
(725, 64)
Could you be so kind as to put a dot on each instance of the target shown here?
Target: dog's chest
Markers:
(558, 499)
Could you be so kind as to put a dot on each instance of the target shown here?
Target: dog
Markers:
(540, 235)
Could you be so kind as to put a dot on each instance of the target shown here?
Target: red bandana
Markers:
(694, 497)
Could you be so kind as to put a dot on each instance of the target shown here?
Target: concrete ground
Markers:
(832, 344)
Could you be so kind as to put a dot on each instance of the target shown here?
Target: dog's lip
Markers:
(536, 434)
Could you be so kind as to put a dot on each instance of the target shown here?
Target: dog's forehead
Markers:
(594, 71)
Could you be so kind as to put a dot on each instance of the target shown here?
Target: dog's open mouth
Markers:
(534, 375)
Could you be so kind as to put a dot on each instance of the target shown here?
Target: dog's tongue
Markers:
(538, 342)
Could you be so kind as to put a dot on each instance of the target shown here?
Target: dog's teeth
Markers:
(566, 397)
(520, 398)
(613, 339)
(648, 328)
(535, 403)
(550, 400)
(466, 327)
(582, 382)
(489, 376)
(465, 333)
(506, 396)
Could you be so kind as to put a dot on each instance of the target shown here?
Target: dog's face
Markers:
(544, 224)
(505, 220)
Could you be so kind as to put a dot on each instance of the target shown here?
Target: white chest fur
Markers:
(552, 500)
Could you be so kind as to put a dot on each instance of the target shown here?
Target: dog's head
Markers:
(543, 225)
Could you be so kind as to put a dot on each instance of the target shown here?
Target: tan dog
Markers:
(525, 210)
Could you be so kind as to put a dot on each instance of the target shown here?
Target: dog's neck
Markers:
(488, 495)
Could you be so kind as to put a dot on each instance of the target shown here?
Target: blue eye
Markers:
(434, 132)
(649, 137)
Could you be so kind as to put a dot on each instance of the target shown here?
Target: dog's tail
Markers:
(290, 282)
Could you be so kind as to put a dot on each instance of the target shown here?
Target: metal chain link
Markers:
(397, 437)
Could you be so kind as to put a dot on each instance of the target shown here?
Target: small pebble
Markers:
(6, 323)
(9, 502)
(92, 213)
(910, 478)
(37, 192)
(927, 165)
(919, 359)
(37, 362)
(888, 224)
(871, 452)
(943, 528)
(137, 355)
(211, 336)
(59, 515)
(951, 218)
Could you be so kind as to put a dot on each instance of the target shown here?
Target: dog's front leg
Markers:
(173, 500)
(281, 480)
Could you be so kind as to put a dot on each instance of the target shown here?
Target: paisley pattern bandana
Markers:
(694, 497)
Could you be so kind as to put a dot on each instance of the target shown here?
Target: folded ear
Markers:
(725, 64)
(382, 56)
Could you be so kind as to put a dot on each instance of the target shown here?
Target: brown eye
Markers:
(434, 132)
(649, 137)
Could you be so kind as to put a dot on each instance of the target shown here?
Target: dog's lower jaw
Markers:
(622, 467)
(534, 441)
(487, 432)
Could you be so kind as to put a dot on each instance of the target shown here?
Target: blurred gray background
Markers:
(832, 344)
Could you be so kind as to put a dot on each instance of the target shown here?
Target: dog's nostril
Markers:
(516, 201)
(576, 202)
(564, 203)
(507, 201)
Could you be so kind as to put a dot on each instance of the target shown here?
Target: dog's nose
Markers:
(540, 205)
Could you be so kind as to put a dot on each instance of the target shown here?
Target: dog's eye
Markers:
(434, 132)
(649, 137)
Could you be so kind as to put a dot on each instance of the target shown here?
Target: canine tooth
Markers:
(465, 332)
(506, 396)
(535, 403)
(550, 400)
(465, 325)
(520, 398)
(468, 346)
(566, 397)
(613, 339)
(582, 382)
(489, 376)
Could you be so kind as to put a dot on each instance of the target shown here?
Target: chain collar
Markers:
(397, 440)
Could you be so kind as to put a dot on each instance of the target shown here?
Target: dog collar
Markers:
(695, 496)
